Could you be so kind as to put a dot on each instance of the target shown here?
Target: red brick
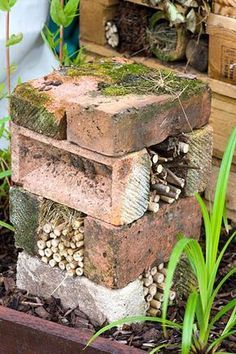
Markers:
(115, 190)
(115, 256)
(71, 105)
(115, 126)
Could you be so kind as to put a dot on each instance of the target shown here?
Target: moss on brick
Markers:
(131, 78)
(29, 109)
(25, 215)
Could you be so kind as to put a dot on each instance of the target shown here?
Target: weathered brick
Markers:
(24, 215)
(115, 126)
(115, 256)
(115, 190)
(199, 160)
(104, 107)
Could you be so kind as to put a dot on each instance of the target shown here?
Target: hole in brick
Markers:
(104, 255)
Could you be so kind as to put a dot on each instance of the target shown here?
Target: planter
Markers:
(24, 334)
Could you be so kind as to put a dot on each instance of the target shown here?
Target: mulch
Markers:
(145, 336)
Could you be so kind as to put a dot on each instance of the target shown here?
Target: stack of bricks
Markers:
(82, 145)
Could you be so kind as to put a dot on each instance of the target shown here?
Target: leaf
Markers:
(5, 174)
(2, 93)
(4, 5)
(174, 259)
(188, 3)
(191, 21)
(13, 68)
(71, 9)
(6, 226)
(188, 324)
(14, 39)
(12, 3)
(131, 320)
(57, 13)
(174, 16)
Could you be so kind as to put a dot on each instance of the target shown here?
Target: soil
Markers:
(145, 336)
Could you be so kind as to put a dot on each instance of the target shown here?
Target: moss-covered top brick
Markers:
(118, 79)
(29, 108)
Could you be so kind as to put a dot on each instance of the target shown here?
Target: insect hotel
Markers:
(106, 160)
(180, 36)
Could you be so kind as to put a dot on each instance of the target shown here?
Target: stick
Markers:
(158, 278)
(8, 68)
(172, 178)
(61, 39)
(167, 199)
(161, 188)
(154, 207)
(155, 304)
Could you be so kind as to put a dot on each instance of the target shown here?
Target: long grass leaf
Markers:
(131, 320)
(220, 191)
(189, 316)
(174, 259)
(215, 344)
(231, 304)
(6, 226)
(4, 174)
(208, 231)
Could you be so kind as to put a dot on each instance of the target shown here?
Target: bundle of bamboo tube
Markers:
(166, 186)
(153, 288)
(61, 240)
(112, 35)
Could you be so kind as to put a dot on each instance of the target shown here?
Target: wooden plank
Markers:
(24, 334)
(223, 124)
(93, 17)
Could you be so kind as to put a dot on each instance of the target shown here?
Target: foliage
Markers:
(63, 16)
(6, 5)
(5, 156)
(53, 40)
(205, 264)
(199, 321)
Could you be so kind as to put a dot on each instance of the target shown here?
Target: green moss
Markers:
(28, 108)
(122, 79)
(31, 94)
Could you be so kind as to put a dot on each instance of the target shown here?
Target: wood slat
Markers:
(24, 334)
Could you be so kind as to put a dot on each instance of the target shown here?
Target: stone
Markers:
(97, 302)
(115, 190)
(113, 107)
(115, 256)
(24, 215)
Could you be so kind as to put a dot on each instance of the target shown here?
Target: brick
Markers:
(199, 158)
(115, 190)
(115, 256)
(115, 126)
(24, 215)
(40, 105)
(92, 109)
(99, 303)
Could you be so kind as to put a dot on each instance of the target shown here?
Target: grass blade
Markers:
(188, 324)
(6, 226)
(131, 320)
(174, 259)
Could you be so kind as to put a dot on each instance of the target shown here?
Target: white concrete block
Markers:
(99, 303)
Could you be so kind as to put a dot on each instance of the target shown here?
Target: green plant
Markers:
(63, 15)
(205, 264)
(199, 320)
(5, 157)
